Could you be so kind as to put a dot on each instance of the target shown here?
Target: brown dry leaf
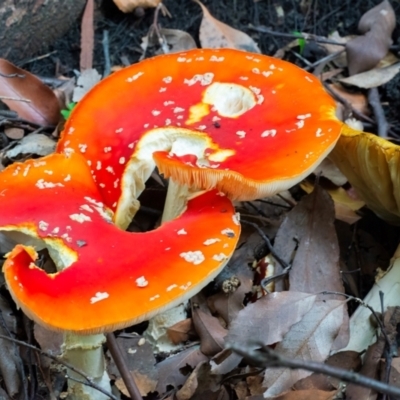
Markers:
(373, 78)
(27, 95)
(201, 384)
(229, 305)
(216, 34)
(181, 331)
(271, 318)
(330, 171)
(174, 370)
(141, 363)
(369, 369)
(309, 227)
(144, 383)
(340, 61)
(357, 100)
(178, 40)
(49, 341)
(87, 37)
(34, 143)
(394, 376)
(349, 360)
(309, 339)
(172, 40)
(307, 395)
(345, 205)
(377, 24)
(10, 359)
(129, 5)
(210, 331)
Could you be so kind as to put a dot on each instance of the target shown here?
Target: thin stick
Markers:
(268, 358)
(14, 99)
(375, 103)
(106, 52)
(120, 362)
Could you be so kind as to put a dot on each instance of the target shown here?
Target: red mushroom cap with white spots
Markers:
(246, 124)
(109, 278)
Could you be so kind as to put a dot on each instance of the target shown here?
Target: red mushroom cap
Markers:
(109, 278)
(247, 124)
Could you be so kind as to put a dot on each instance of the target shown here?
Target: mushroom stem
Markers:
(86, 354)
(176, 200)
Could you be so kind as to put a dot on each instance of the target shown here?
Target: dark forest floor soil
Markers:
(127, 30)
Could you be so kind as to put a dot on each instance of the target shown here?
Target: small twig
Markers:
(347, 104)
(12, 75)
(286, 267)
(290, 202)
(106, 52)
(271, 203)
(305, 36)
(366, 305)
(14, 99)
(259, 217)
(255, 208)
(38, 58)
(120, 362)
(268, 358)
(161, 38)
(323, 61)
(87, 381)
(375, 103)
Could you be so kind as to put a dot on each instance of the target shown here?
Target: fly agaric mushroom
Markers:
(108, 278)
(246, 124)
(371, 164)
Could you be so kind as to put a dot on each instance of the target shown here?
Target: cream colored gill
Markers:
(176, 141)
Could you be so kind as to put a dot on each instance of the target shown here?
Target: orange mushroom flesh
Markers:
(246, 124)
(109, 278)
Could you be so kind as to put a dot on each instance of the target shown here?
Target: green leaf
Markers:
(66, 112)
(301, 41)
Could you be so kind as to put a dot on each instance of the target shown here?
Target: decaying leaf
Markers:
(309, 228)
(140, 360)
(357, 100)
(176, 40)
(127, 6)
(362, 331)
(377, 25)
(10, 361)
(181, 331)
(210, 331)
(307, 395)
(373, 78)
(216, 34)
(330, 171)
(174, 370)
(349, 360)
(271, 318)
(87, 79)
(27, 95)
(201, 384)
(34, 143)
(345, 205)
(371, 164)
(309, 339)
(227, 305)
